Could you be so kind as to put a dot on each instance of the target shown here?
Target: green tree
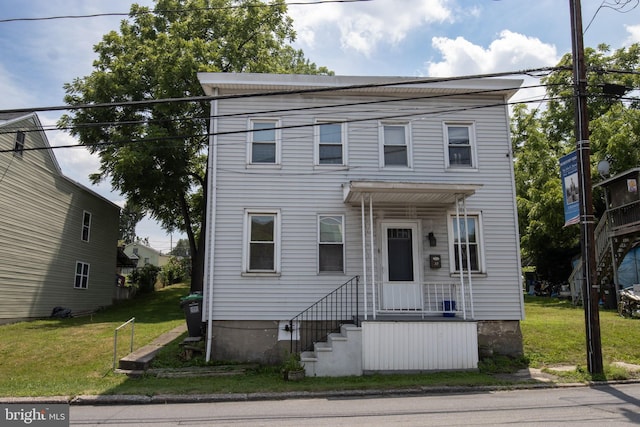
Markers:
(130, 216)
(181, 248)
(155, 153)
(542, 136)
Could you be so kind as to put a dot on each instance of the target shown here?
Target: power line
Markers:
(616, 5)
(285, 92)
(279, 111)
(145, 11)
(244, 131)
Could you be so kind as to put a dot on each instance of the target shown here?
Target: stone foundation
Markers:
(499, 337)
(257, 341)
(252, 341)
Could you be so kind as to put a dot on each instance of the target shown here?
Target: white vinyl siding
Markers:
(301, 190)
(330, 243)
(330, 143)
(460, 149)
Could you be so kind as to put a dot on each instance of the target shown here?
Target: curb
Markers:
(100, 400)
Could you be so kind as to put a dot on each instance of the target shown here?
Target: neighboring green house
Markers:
(143, 255)
(58, 238)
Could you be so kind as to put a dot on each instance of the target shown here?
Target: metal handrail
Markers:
(325, 316)
(115, 339)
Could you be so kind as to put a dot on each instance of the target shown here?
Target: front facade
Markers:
(406, 184)
(143, 255)
(59, 239)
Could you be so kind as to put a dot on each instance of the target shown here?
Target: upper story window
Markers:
(331, 243)
(395, 145)
(264, 147)
(262, 242)
(86, 226)
(460, 148)
(82, 275)
(330, 143)
(18, 147)
(466, 243)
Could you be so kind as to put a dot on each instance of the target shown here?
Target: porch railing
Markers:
(625, 216)
(428, 299)
(326, 316)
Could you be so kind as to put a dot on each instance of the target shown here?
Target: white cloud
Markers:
(634, 34)
(13, 95)
(362, 27)
(510, 52)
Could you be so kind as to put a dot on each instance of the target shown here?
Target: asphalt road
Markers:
(608, 405)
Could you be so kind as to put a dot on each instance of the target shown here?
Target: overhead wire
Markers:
(148, 11)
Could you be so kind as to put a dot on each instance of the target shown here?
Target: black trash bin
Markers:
(192, 306)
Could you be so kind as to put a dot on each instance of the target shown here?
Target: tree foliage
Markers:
(155, 154)
(542, 135)
(181, 249)
(130, 216)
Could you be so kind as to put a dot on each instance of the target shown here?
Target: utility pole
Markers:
(590, 288)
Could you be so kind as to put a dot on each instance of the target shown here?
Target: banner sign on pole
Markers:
(570, 188)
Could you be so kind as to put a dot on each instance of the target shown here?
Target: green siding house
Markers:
(58, 239)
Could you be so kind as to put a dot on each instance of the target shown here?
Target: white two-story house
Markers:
(369, 223)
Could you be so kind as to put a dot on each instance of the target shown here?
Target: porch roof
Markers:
(414, 193)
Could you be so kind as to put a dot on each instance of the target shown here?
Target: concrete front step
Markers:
(140, 359)
(340, 355)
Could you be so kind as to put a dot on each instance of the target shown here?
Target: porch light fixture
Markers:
(432, 239)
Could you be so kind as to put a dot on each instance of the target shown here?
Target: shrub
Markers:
(175, 271)
(145, 278)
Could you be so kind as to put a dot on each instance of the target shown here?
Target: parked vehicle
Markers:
(629, 305)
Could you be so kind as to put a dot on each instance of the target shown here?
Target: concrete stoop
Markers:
(340, 355)
(138, 362)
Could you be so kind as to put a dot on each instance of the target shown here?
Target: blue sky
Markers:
(377, 37)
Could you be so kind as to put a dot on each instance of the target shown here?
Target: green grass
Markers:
(74, 356)
(554, 334)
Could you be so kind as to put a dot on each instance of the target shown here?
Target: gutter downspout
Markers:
(212, 192)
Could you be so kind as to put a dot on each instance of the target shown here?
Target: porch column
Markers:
(373, 272)
(459, 244)
(364, 256)
(470, 282)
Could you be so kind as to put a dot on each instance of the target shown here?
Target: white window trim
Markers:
(247, 234)
(278, 141)
(88, 227)
(408, 141)
(75, 275)
(472, 141)
(451, 216)
(19, 143)
(344, 249)
(316, 138)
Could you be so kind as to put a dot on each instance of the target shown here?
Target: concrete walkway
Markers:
(137, 362)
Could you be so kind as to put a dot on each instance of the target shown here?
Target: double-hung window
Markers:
(18, 147)
(331, 244)
(86, 226)
(395, 145)
(82, 275)
(330, 143)
(263, 142)
(460, 145)
(262, 242)
(466, 243)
